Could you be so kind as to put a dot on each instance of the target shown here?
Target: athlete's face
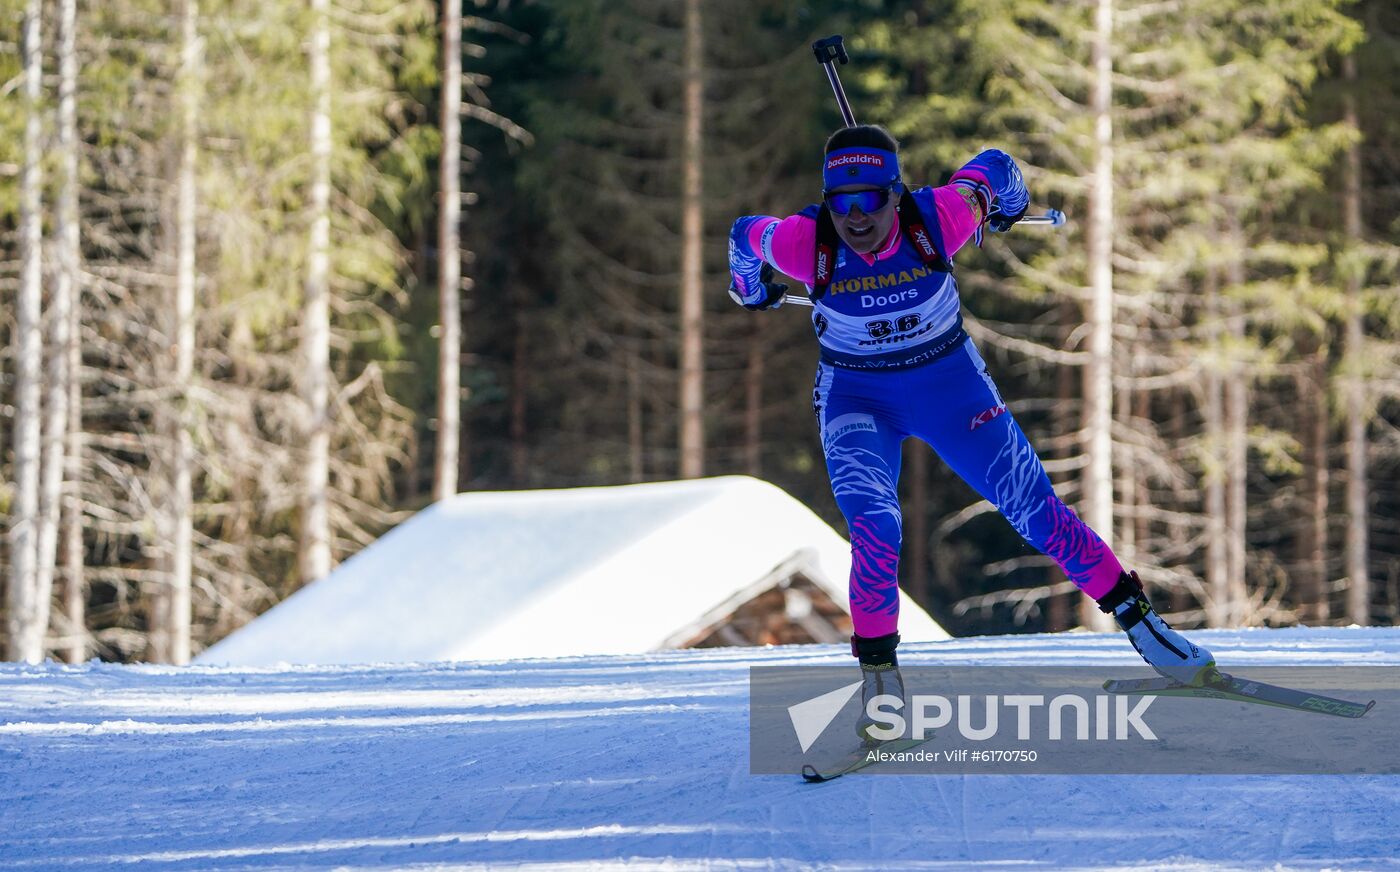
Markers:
(863, 229)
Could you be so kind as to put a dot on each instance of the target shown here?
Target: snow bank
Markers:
(636, 762)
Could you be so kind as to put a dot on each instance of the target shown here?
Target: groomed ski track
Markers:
(610, 763)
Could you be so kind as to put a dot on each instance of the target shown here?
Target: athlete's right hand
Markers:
(772, 296)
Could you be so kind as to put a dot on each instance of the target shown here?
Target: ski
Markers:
(858, 759)
(1244, 690)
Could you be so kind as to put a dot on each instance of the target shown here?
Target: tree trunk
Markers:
(1177, 529)
(1358, 512)
(1236, 454)
(445, 466)
(28, 606)
(315, 328)
(1061, 610)
(635, 438)
(1144, 493)
(1313, 605)
(1098, 374)
(692, 382)
(753, 399)
(1217, 546)
(1126, 542)
(59, 321)
(916, 533)
(1236, 438)
(519, 390)
(67, 292)
(175, 634)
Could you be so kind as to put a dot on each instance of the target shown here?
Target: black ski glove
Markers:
(772, 292)
(1000, 222)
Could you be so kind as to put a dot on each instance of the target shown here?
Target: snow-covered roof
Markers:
(547, 573)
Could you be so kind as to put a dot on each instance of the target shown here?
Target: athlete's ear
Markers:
(898, 187)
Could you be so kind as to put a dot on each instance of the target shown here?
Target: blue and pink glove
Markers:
(751, 278)
(997, 181)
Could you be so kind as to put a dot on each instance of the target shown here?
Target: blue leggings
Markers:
(953, 405)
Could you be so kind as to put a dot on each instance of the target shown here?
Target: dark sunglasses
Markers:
(868, 201)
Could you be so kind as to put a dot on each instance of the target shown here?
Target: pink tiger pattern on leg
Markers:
(874, 579)
(1079, 551)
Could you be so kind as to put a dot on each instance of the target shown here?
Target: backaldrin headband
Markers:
(862, 165)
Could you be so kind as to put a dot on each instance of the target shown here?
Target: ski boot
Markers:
(1164, 649)
(880, 674)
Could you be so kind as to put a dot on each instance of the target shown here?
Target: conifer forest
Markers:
(277, 275)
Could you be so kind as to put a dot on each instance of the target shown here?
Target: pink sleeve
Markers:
(790, 245)
(959, 214)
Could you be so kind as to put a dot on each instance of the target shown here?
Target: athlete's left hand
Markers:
(1000, 222)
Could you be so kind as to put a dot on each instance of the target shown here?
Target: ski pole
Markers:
(1051, 218)
(829, 52)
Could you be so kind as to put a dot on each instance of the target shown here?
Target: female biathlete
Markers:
(896, 362)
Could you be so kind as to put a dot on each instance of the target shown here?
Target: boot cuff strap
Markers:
(1124, 589)
(878, 651)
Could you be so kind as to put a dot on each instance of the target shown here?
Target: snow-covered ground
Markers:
(609, 762)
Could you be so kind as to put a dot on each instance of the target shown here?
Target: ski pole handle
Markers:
(1051, 218)
(829, 52)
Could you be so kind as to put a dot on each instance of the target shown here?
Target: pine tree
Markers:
(337, 273)
(186, 422)
(446, 471)
(66, 373)
(172, 615)
(27, 601)
(1357, 220)
(612, 180)
(691, 401)
(1201, 137)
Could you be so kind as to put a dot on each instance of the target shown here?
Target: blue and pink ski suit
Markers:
(896, 362)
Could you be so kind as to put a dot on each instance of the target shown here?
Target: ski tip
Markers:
(812, 776)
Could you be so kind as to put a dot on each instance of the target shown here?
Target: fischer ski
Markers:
(1229, 687)
(858, 759)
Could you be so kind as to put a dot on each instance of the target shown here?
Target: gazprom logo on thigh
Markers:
(853, 422)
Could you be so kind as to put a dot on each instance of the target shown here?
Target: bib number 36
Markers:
(882, 328)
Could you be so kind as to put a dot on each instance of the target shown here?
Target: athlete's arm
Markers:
(989, 180)
(787, 244)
